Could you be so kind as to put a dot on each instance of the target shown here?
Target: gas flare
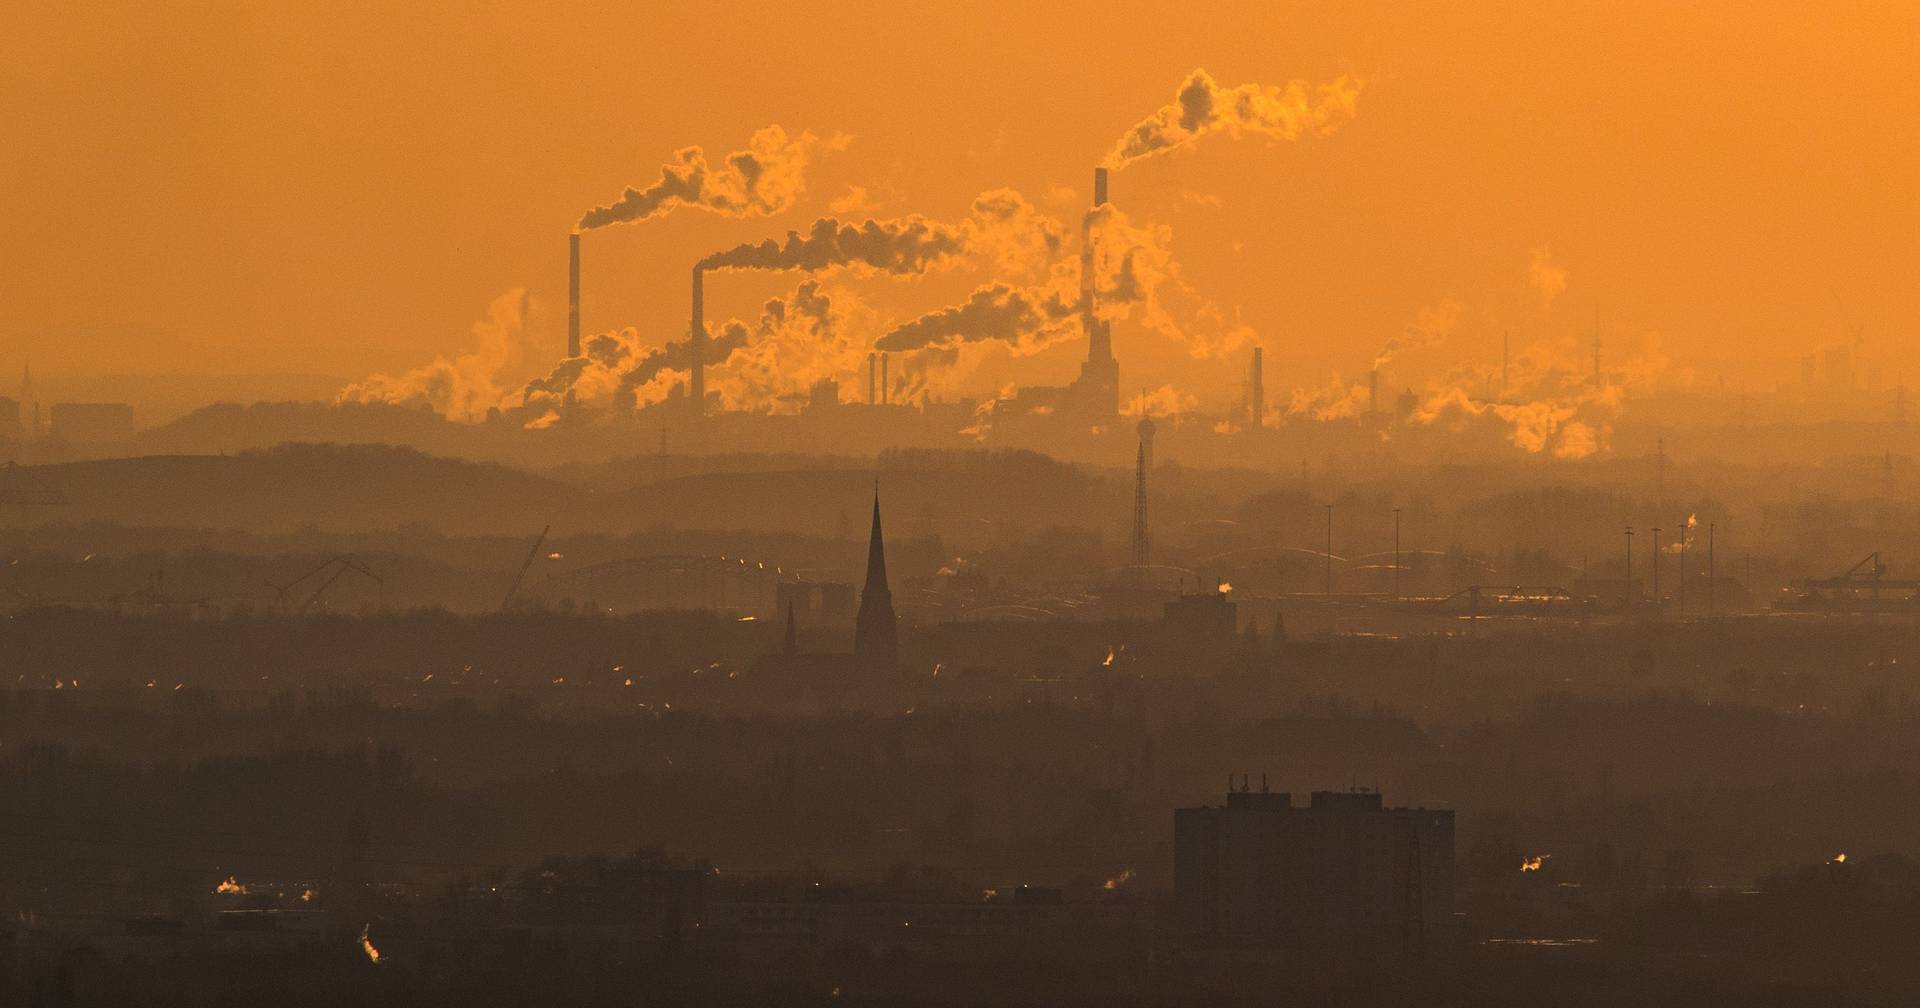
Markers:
(231, 887)
(366, 945)
(1125, 876)
(1533, 863)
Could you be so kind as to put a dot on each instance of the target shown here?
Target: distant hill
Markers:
(957, 495)
(232, 427)
(328, 486)
(966, 498)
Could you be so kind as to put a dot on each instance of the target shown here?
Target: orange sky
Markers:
(210, 188)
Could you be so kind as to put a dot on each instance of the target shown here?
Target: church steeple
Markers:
(876, 639)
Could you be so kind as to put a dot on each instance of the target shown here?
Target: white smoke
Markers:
(465, 386)
(1202, 108)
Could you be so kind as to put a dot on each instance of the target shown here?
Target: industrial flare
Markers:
(231, 887)
(1533, 863)
(366, 945)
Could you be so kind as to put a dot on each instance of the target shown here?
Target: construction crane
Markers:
(521, 575)
(338, 565)
(1864, 588)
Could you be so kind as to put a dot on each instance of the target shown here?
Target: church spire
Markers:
(876, 641)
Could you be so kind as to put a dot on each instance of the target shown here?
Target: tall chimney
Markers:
(886, 395)
(1257, 393)
(873, 378)
(573, 294)
(697, 346)
(1100, 364)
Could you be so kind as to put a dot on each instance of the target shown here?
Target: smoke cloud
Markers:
(1135, 276)
(765, 179)
(1433, 323)
(1546, 277)
(1165, 401)
(1201, 108)
(1338, 399)
(767, 365)
(1560, 409)
(903, 246)
(465, 386)
(1002, 229)
(1026, 318)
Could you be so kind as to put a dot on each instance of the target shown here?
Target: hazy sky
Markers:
(345, 189)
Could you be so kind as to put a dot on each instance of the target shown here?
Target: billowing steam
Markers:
(1135, 276)
(1555, 406)
(1164, 401)
(465, 386)
(907, 245)
(1433, 323)
(1201, 107)
(1338, 399)
(1546, 277)
(1026, 318)
(1001, 228)
(1344, 398)
(767, 365)
(767, 178)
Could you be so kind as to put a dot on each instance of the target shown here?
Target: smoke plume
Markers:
(1546, 277)
(1432, 324)
(767, 365)
(1134, 273)
(1026, 318)
(1558, 407)
(1202, 107)
(767, 178)
(904, 246)
(462, 387)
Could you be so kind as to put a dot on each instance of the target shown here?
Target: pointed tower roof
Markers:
(876, 551)
(876, 641)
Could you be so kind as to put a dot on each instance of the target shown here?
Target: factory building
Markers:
(1344, 874)
(1202, 618)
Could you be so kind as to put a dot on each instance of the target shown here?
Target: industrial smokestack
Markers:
(573, 294)
(1257, 393)
(1101, 373)
(873, 379)
(697, 346)
(886, 394)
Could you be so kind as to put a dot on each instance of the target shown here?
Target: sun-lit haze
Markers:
(208, 190)
(802, 504)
